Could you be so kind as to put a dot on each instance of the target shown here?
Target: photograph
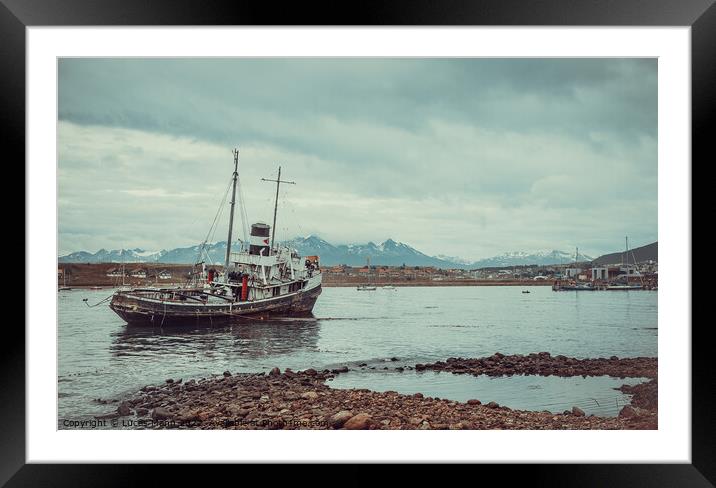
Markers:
(422, 233)
(357, 243)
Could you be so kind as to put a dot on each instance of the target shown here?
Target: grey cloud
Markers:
(536, 150)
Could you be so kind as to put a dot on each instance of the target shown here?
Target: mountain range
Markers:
(389, 253)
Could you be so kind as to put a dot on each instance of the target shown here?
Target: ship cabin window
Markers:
(276, 290)
(295, 286)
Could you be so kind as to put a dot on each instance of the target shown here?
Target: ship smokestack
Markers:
(259, 240)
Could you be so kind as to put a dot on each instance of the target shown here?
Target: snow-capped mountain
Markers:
(455, 259)
(518, 258)
(136, 255)
(216, 253)
(387, 253)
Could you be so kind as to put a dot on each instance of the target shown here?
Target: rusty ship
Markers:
(259, 280)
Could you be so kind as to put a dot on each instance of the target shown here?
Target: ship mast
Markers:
(231, 215)
(278, 182)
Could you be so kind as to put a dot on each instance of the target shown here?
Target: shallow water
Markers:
(101, 357)
(595, 395)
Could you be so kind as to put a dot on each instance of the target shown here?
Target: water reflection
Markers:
(249, 339)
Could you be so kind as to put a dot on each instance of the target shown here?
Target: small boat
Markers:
(622, 287)
(64, 288)
(389, 287)
(573, 286)
(365, 288)
(623, 283)
(525, 291)
(95, 288)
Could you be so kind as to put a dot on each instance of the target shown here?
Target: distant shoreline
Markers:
(86, 275)
(344, 284)
(402, 284)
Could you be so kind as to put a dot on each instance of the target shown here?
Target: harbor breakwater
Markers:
(302, 400)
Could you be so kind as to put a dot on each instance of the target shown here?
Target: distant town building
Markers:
(164, 275)
(600, 274)
(605, 273)
(138, 273)
(114, 272)
(572, 272)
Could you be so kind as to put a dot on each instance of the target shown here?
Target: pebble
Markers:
(303, 400)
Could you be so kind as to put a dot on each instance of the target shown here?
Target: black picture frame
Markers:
(700, 15)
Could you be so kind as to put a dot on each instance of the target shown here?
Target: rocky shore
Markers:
(544, 364)
(302, 400)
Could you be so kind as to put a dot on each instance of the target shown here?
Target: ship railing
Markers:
(253, 259)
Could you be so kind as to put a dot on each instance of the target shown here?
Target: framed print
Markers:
(438, 227)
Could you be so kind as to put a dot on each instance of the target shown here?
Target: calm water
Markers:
(101, 357)
(595, 395)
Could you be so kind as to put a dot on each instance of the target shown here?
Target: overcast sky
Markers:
(462, 157)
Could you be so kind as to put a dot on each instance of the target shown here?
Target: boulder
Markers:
(309, 395)
(339, 419)
(493, 405)
(227, 374)
(188, 416)
(627, 412)
(577, 412)
(474, 401)
(237, 412)
(161, 413)
(361, 421)
(123, 409)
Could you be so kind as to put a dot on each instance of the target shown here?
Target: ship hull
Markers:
(137, 310)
